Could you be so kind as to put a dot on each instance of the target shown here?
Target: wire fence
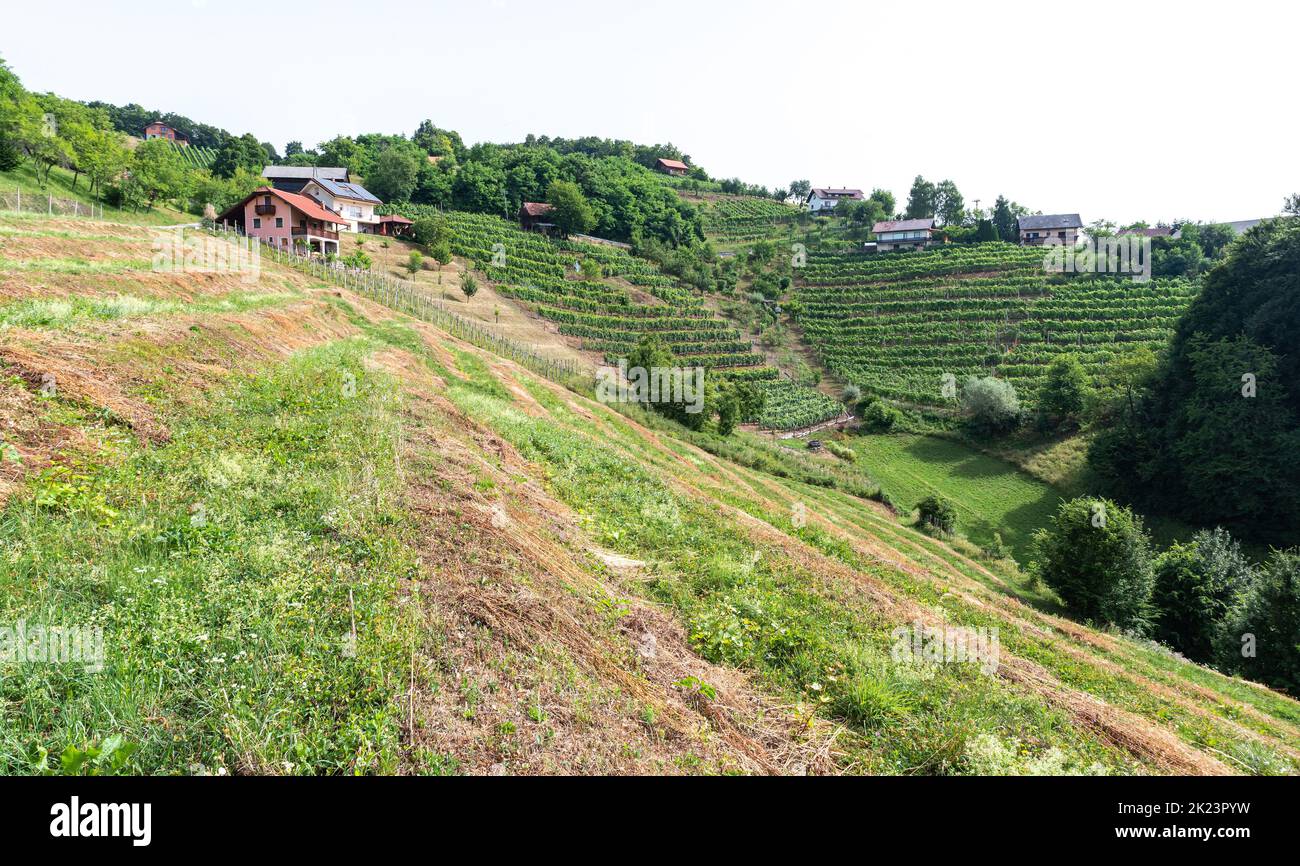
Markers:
(17, 200)
(406, 297)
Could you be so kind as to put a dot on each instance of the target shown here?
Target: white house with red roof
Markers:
(286, 219)
(826, 198)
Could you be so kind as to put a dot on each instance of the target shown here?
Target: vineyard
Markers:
(195, 157)
(744, 219)
(610, 315)
(897, 325)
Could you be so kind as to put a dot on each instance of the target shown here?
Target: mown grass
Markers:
(75, 309)
(226, 569)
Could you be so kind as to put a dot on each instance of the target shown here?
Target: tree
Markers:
(949, 206)
(414, 262)
(1096, 555)
(235, 153)
(986, 232)
(293, 148)
(428, 231)
(570, 211)
(469, 285)
(921, 200)
(800, 189)
(1291, 205)
(157, 173)
(1260, 638)
(1196, 584)
(990, 403)
(1005, 214)
(1066, 388)
(393, 175)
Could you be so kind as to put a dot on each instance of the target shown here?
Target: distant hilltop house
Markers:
(825, 198)
(292, 178)
(534, 217)
(1037, 230)
(1171, 232)
(158, 129)
(352, 201)
(286, 220)
(675, 167)
(893, 235)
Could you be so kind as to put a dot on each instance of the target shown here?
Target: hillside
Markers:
(322, 536)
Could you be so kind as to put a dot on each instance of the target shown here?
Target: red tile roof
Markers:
(394, 218)
(537, 209)
(673, 163)
(308, 205)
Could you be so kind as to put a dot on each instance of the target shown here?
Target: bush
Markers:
(1260, 638)
(1066, 388)
(991, 403)
(1196, 585)
(469, 285)
(1096, 555)
(842, 452)
(851, 394)
(442, 252)
(880, 417)
(414, 262)
(937, 513)
(430, 231)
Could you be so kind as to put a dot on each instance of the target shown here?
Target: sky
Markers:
(1120, 111)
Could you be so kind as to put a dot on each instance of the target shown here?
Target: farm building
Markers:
(675, 167)
(352, 201)
(392, 225)
(292, 178)
(158, 129)
(826, 198)
(894, 235)
(1061, 227)
(285, 219)
(533, 217)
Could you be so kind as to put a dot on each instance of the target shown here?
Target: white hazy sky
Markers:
(1122, 111)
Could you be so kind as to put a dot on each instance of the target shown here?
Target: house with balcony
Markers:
(292, 178)
(287, 220)
(825, 199)
(352, 201)
(894, 235)
(1059, 228)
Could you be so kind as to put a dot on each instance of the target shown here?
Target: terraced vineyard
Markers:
(897, 324)
(610, 315)
(744, 219)
(195, 157)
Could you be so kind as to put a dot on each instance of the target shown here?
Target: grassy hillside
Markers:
(324, 537)
(35, 198)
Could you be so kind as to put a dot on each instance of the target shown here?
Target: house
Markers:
(675, 167)
(352, 201)
(1171, 232)
(533, 217)
(158, 129)
(1062, 227)
(893, 235)
(292, 178)
(825, 199)
(285, 219)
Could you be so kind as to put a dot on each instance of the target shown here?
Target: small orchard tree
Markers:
(469, 285)
(442, 252)
(1096, 555)
(990, 403)
(414, 262)
(938, 514)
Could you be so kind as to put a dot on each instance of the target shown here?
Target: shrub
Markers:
(937, 513)
(1096, 555)
(1066, 388)
(469, 285)
(1196, 585)
(430, 231)
(442, 252)
(880, 417)
(851, 394)
(414, 262)
(842, 452)
(1260, 638)
(991, 403)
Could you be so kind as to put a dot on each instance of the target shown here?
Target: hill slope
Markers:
(322, 536)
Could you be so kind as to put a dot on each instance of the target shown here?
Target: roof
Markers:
(536, 208)
(832, 192)
(345, 189)
(924, 223)
(1157, 232)
(394, 218)
(1051, 221)
(305, 172)
(1243, 226)
(308, 205)
(673, 163)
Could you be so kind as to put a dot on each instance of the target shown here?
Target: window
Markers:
(279, 222)
(257, 223)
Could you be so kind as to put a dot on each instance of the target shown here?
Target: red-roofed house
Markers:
(827, 198)
(673, 166)
(158, 129)
(286, 219)
(534, 216)
(894, 235)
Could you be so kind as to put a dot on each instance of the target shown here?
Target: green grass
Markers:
(991, 495)
(60, 186)
(66, 312)
(225, 569)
